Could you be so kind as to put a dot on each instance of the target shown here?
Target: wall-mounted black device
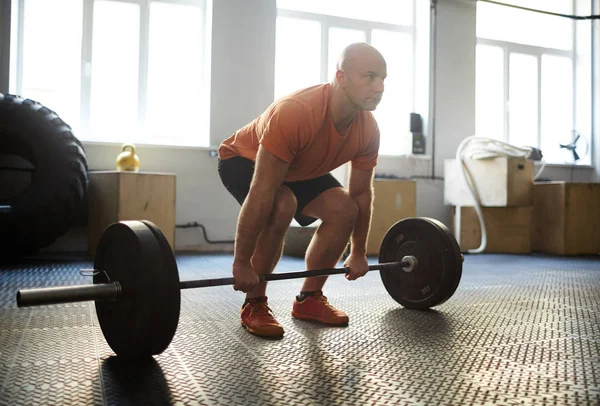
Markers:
(418, 138)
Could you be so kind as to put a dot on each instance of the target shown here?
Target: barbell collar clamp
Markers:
(412, 262)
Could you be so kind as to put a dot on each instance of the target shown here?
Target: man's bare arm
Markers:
(269, 174)
(361, 190)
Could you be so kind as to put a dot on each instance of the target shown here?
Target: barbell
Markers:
(137, 291)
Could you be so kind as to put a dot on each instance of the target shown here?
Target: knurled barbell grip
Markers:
(68, 294)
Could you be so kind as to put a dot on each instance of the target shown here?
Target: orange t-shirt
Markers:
(299, 130)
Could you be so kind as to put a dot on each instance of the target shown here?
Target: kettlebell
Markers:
(127, 159)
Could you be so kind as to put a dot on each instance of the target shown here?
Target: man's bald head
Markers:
(361, 71)
(354, 53)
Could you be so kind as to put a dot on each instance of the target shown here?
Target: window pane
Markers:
(115, 71)
(523, 100)
(386, 11)
(557, 108)
(297, 55)
(339, 38)
(393, 113)
(526, 27)
(52, 56)
(490, 92)
(175, 73)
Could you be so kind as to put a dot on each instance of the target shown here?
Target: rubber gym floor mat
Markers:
(519, 330)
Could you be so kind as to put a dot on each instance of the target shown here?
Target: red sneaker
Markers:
(318, 308)
(257, 318)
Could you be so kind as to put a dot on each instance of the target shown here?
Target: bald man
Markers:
(278, 168)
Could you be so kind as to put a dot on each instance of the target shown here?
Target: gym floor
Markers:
(519, 330)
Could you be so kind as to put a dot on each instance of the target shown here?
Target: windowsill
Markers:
(182, 145)
(536, 163)
(563, 165)
(406, 156)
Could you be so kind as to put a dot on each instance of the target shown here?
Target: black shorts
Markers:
(236, 174)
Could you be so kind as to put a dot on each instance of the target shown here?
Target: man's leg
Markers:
(338, 213)
(236, 174)
(256, 316)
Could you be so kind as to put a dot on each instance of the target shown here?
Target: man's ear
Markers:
(340, 76)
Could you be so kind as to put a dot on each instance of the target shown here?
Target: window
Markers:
(489, 92)
(290, 75)
(525, 91)
(327, 27)
(49, 58)
(522, 99)
(115, 70)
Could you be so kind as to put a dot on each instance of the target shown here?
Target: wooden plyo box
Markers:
(566, 218)
(508, 229)
(116, 196)
(394, 200)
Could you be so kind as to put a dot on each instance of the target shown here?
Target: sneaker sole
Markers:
(303, 316)
(257, 333)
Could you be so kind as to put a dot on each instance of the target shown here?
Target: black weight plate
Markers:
(439, 269)
(167, 316)
(143, 321)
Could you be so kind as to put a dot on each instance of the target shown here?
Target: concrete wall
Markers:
(242, 76)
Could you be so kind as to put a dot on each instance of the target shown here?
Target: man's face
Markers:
(363, 80)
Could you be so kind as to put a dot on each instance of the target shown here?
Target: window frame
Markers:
(87, 21)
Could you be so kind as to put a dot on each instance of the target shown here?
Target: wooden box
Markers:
(394, 200)
(115, 196)
(500, 182)
(566, 219)
(508, 229)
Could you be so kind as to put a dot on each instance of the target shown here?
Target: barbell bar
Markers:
(113, 290)
(137, 291)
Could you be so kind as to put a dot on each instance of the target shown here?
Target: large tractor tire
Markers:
(43, 177)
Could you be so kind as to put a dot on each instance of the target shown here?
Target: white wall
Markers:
(454, 78)
(243, 46)
(243, 63)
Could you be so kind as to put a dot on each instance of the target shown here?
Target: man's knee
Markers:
(284, 208)
(345, 210)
